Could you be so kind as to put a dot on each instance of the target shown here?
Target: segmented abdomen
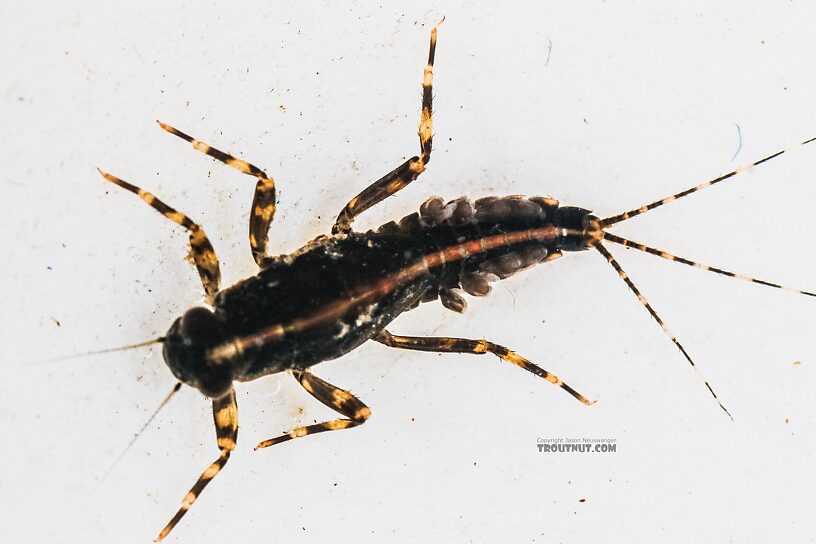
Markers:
(441, 225)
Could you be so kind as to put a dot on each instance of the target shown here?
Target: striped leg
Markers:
(407, 171)
(476, 347)
(201, 250)
(337, 399)
(263, 204)
(225, 414)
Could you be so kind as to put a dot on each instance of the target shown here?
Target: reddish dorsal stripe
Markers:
(372, 292)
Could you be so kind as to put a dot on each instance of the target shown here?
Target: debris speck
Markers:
(739, 147)
(549, 52)
(137, 53)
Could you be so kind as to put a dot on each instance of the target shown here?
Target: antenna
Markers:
(137, 435)
(158, 340)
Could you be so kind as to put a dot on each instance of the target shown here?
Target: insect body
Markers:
(342, 290)
(277, 320)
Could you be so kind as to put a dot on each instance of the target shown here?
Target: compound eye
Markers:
(199, 325)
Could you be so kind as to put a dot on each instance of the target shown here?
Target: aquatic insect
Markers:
(341, 290)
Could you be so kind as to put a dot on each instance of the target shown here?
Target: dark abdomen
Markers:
(439, 225)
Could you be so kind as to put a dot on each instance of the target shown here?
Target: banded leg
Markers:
(225, 415)
(476, 347)
(201, 250)
(337, 399)
(408, 171)
(263, 203)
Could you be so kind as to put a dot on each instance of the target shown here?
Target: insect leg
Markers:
(201, 250)
(263, 203)
(225, 414)
(476, 347)
(337, 399)
(408, 171)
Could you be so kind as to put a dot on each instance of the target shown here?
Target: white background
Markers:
(601, 105)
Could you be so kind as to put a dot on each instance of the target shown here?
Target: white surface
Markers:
(630, 104)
